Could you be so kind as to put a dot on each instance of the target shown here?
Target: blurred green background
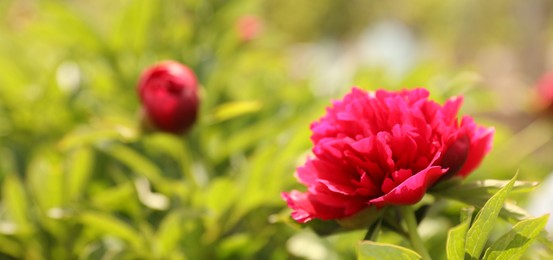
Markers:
(79, 180)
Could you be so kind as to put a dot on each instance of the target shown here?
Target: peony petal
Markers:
(411, 190)
(480, 145)
(307, 206)
(456, 155)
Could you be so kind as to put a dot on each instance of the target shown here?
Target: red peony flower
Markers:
(384, 148)
(169, 94)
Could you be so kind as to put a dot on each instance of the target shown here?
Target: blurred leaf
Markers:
(545, 240)
(456, 236)
(81, 164)
(174, 147)
(515, 242)
(168, 235)
(103, 132)
(115, 198)
(7, 163)
(76, 30)
(478, 233)
(234, 109)
(478, 192)
(362, 219)
(307, 245)
(134, 26)
(139, 164)
(513, 213)
(322, 227)
(369, 250)
(239, 245)
(11, 247)
(16, 203)
(218, 199)
(222, 147)
(45, 180)
(168, 144)
(106, 224)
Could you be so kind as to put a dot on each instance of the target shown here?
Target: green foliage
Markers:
(80, 179)
(456, 236)
(515, 242)
(479, 231)
(369, 250)
(468, 239)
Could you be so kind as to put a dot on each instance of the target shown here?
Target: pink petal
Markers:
(481, 144)
(411, 190)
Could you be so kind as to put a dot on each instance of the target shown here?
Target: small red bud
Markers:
(169, 95)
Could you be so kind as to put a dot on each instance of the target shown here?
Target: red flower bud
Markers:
(169, 94)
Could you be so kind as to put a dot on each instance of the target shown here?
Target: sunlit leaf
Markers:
(106, 224)
(478, 233)
(11, 247)
(81, 165)
(478, 192)
(515, 242)
(456, 236)
(234, 109)
(16, 203)
(168, 234)
(369, 250)
(138, 164)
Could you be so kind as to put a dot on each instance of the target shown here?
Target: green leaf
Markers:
(478, 233)
(139, 164)
(456, 236)
(513, 213)
(171, 146)
(362, 219)
(168, 235)
(10, 247)
(136, 21)
(76, 178)
(515, 242)
(115, 198)
(234, 109)
(16, 203)
(106, 224)
(45, 180)
(478, 192)
(369, 250)
(545, 240)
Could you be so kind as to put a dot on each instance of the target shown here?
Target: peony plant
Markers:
(376, 155)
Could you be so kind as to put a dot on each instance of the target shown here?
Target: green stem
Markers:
(409, 217)
(373, 230)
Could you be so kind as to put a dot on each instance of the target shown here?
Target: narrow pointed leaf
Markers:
(107, 224)
(16, 203)
(515, 242)
(478, 192)
(456, 236)
(478, 234)
(369, 250)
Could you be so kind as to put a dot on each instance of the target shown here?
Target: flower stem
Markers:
(373, 230)
(416, 241)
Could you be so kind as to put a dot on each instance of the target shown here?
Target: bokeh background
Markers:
(80, 180)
